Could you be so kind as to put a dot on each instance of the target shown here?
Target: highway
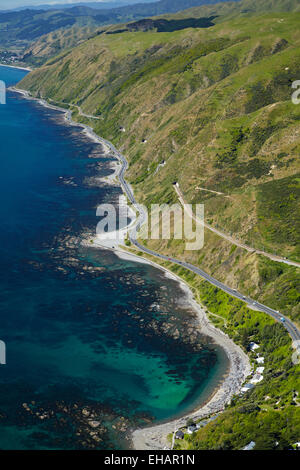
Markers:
(289, 326)
(133, 235)
(142, 217)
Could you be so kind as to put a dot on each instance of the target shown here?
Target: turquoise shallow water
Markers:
(95, 345)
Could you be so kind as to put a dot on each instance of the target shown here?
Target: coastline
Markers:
(155, 437)
(17, 67)
(89, 132)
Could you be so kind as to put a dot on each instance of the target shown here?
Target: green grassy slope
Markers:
(21, 28)
(215, 105)
(39, 35)
(244, 7)
(49, 45)
(269, 413)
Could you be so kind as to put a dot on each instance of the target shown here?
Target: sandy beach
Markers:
(155, 437)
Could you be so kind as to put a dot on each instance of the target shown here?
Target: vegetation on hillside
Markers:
(215, 105)
(29, 32)
(268, 414)
(35, 36)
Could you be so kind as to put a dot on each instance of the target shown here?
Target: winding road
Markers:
(229, 238)
(133, 236)
(142, 217)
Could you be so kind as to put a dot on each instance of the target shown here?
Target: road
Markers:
(229, 238)
(288, 324)
(80, 112)
(142, 217)
(133, 236)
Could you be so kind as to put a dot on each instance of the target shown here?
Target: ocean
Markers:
(96, 345)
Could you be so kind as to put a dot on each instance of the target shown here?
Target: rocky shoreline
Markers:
(155, 437)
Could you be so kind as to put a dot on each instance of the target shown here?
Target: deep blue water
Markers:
(89, 337)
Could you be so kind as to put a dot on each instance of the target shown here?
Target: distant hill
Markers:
(242, 7)
(83, 26)
(33, 35)
(18, 29)
(97, 5)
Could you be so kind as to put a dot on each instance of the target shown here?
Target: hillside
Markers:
(30, 24)
(215, 105)
(39, 51)
(244, 7)
(36, 36)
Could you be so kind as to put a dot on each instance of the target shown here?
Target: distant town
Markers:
(9, 58)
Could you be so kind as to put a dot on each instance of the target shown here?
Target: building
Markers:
(191, 429)
(260, 360)
(253, 346)
(179, 434)
(256, 378)
(247, 387)
(249, 446)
